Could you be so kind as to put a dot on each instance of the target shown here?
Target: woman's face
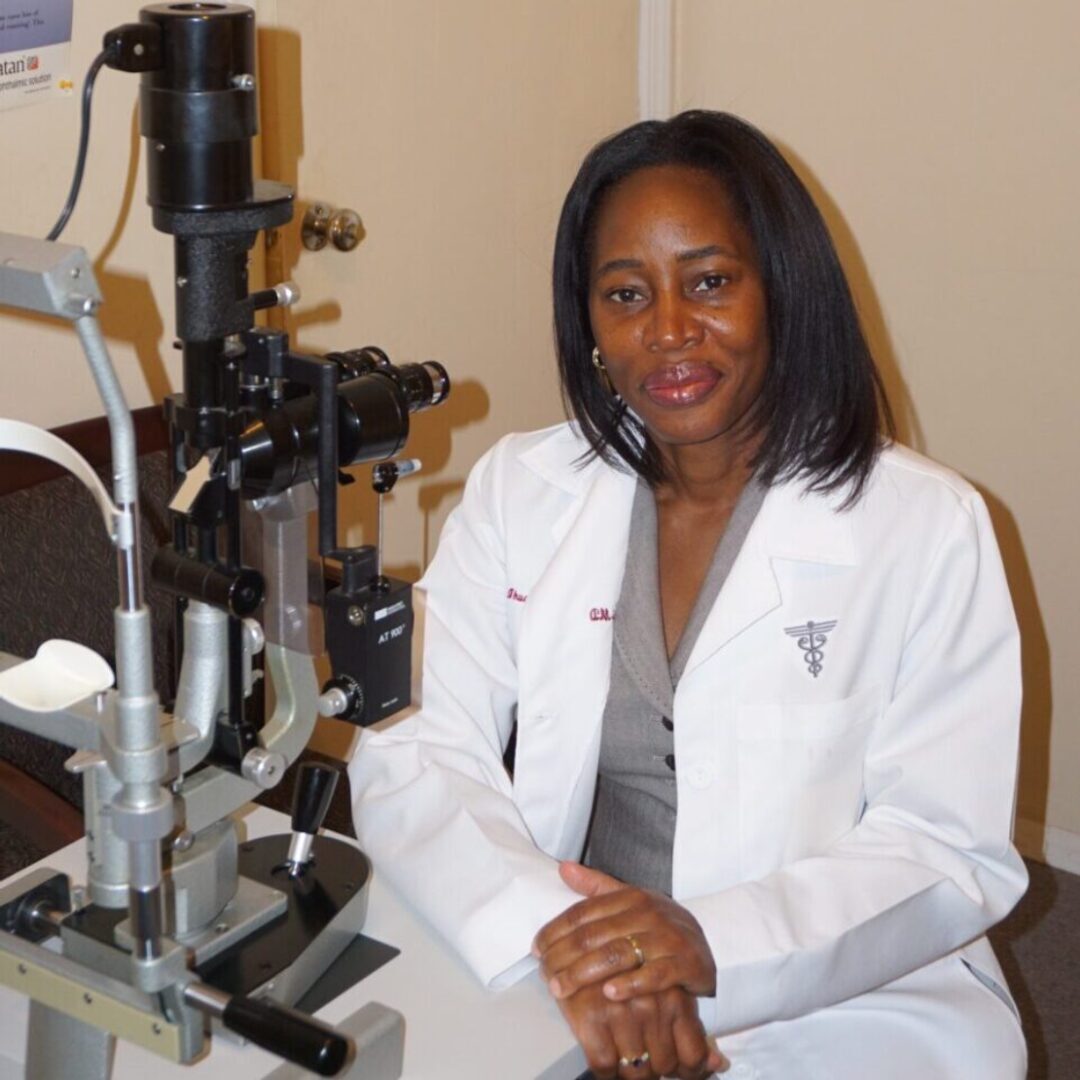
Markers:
(677, 305)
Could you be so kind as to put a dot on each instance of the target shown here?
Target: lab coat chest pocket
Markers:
(800, 776)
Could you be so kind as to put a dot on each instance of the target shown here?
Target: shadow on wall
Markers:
(1035, 664)
(430, 439)
(130, 313)
(468, 403)
(281, 119)
(281, 146)
(908, 429)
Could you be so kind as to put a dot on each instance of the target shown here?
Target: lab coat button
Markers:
(701, 774)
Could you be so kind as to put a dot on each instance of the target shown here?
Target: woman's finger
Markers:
(616, 931)
(653, 977)
(628, 1031)
(590, 1027)
(614, 956)
(691, 1045)
(601, 1053)
(586, 880)
(582, 914)
(659, 1038)
(717, 1062)
(617, 966)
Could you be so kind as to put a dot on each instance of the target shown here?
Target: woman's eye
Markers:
(625, 295)
(711, 282)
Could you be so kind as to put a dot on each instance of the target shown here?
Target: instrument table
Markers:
(454, 1027)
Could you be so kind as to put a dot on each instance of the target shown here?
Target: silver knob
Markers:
(264, 768)
(334, 702)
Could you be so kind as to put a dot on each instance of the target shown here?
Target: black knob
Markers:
(315, 785)
(238, 592)
(287, 1033)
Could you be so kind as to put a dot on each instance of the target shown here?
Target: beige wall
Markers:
(941, 141)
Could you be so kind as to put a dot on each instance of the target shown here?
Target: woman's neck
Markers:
(707, 475)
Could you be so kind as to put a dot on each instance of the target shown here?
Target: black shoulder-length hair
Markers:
(822, 412)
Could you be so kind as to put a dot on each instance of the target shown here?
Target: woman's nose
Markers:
(672, 324)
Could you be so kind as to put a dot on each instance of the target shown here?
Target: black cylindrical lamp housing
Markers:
(198, 111)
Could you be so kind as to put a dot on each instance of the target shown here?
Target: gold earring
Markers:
(605, 378)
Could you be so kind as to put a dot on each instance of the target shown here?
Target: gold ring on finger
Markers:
(639, 956)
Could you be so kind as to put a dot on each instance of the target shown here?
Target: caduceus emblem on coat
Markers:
(811, 638)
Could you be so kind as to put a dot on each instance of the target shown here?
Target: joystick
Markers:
(315, 785)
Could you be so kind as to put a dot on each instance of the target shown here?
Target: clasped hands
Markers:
(625, 965)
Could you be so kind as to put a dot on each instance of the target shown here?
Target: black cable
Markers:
(84, 139)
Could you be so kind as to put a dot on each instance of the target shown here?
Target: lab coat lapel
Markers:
(791, 524)
(564, 658)
(750, 592)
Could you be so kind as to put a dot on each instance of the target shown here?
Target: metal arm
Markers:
(55, 279)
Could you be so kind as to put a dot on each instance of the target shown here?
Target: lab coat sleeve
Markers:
(929, 867)
(433, 803)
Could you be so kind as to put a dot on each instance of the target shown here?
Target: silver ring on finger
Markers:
(635, 1062)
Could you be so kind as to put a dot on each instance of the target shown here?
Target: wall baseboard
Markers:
(1058, 848)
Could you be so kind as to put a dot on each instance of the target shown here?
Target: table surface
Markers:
(453, 1026)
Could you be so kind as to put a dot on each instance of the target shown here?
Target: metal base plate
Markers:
(253, 906)
(326, 907)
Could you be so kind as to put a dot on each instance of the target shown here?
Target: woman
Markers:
(763, 665)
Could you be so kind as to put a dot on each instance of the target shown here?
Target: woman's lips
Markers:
(680, 384)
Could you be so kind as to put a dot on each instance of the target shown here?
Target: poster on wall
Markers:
(35, 48)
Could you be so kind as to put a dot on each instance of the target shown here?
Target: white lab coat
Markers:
(843, 816)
